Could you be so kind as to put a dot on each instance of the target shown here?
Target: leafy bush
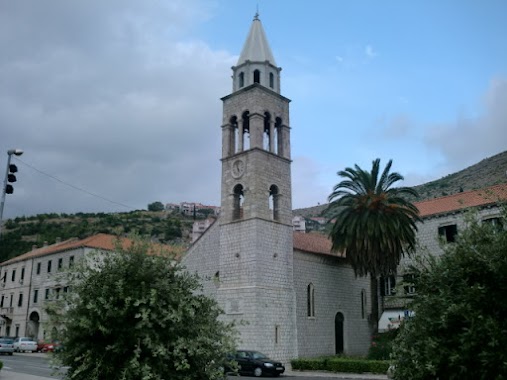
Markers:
(136, 316)
(340, 364)
(460, 323)
(382, 345)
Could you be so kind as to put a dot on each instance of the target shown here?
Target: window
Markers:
(71, 261)
(5, 276)
(20, 300)
(257, 76)
(65, 289)
(237, 212)
(11, 300)
(49, 266)
(38, 268)
(408, 283)
(2, 301)
(495, 222)
(448, 233)
(35, 295)
(310, 299)
(271, 80)
(46, 296)
(22, 273)
(17, 330)
(277, 334)
(60, 263)
(273, 201)
(57, 293)
(13, 276)
(388, 286)
(241, 79)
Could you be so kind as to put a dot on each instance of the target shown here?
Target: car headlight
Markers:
(269, 365)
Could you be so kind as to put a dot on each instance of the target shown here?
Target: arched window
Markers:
(278, 136)
(310, 299)
(271, 80)
(267, 133)
(273, 201)
(241, 79)
(237, 208)
(257, 76)
(246, 130)
(234, 138)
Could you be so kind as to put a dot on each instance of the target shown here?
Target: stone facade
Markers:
(259, 274)
(337, 290)
(442, 219)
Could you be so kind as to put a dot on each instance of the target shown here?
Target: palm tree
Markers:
(374, 224)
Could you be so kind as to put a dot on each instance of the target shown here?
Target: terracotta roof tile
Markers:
(98, 241)
(463, 200)
(314, 243)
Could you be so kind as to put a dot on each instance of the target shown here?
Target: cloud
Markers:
(308, 187)
(111, 97)
(398, 126)
(370, 53)
(469, 140)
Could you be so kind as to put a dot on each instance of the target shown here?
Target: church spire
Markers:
(256, 47)
(256, 64)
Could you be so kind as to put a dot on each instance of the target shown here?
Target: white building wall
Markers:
(336, 290)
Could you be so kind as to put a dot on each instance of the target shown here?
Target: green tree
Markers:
(136, 315)
(460, 322)
(374, 224)
(156, 206)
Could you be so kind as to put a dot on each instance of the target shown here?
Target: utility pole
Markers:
(9, 177)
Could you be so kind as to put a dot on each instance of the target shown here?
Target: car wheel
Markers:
(258, 372)
(10, 353)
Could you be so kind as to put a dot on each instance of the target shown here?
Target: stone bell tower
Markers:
(256, 236)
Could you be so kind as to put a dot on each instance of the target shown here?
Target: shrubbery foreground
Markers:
(136, 315)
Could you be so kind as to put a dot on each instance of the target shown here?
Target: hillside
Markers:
(19, 235)
(488, 172)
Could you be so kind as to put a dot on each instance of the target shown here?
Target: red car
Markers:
(48, 347)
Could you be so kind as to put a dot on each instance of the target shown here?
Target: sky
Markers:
(116, 104)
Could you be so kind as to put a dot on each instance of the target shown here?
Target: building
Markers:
(442, 219)
(29, 281)
(299, 224)
(297, 299)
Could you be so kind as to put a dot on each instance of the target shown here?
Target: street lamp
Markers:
(9, 177)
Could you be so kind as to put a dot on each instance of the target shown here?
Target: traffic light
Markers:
(9, 189)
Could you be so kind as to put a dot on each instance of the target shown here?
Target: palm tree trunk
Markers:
(374, 303)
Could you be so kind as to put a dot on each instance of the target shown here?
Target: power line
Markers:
(75, 187)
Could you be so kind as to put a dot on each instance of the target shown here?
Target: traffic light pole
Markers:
(10, 152)
(3, 191)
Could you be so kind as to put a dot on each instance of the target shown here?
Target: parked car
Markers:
(257, 364)
(22, 344)
(49, 347)
(6, 346)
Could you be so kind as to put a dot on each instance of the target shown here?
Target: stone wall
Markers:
(337, 290)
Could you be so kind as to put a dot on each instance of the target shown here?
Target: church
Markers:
(293, 296)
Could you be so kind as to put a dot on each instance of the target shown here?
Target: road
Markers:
(39, 365)
(30, 364)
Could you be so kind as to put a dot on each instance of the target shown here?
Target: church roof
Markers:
(99, 241)
(460, 201)
(314, 243)
(256, 47)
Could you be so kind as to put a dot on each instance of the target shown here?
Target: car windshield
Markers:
(7, 341)
(258, 355)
